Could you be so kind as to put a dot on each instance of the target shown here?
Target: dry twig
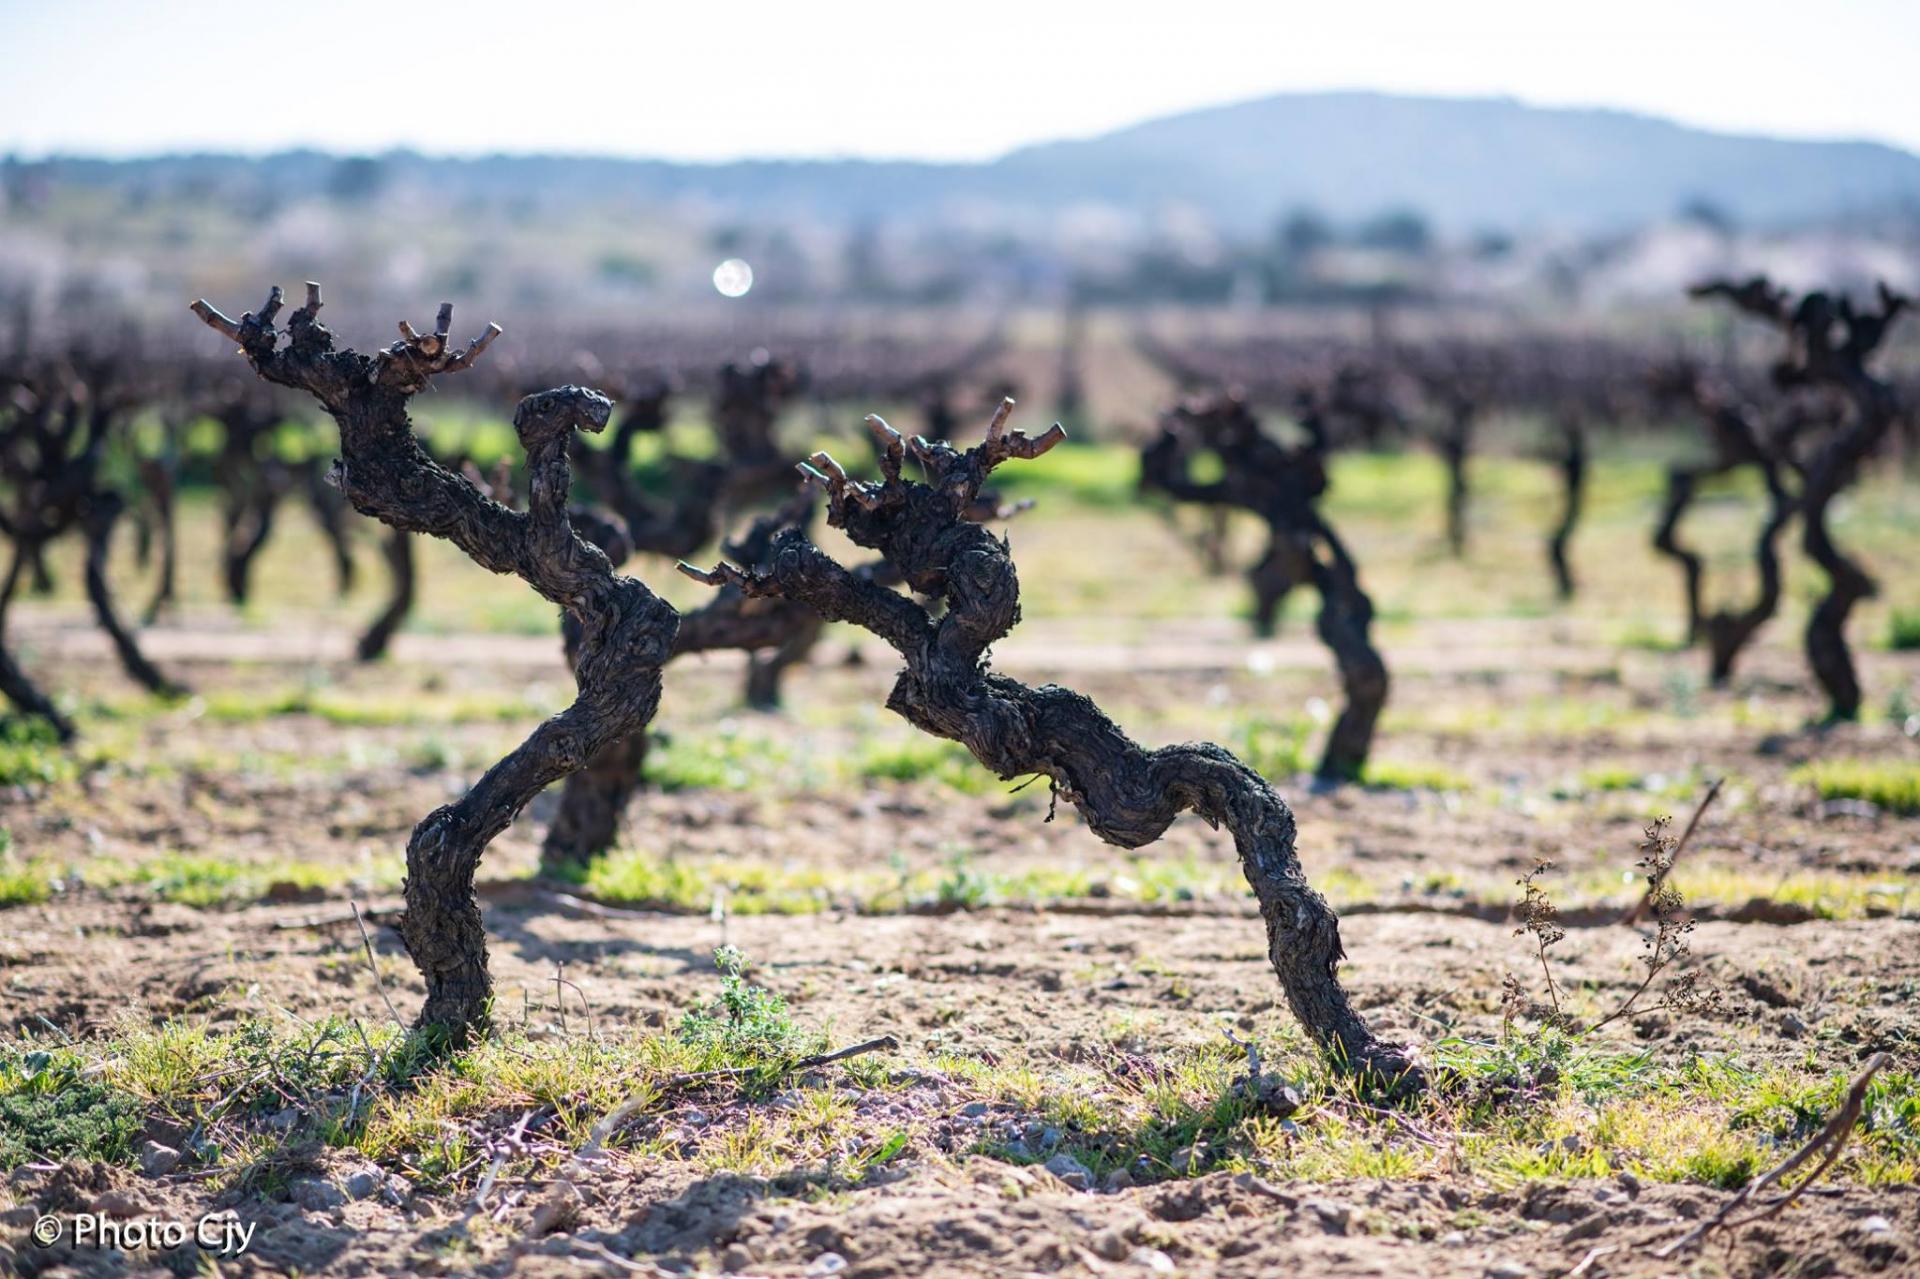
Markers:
(1827, 1143)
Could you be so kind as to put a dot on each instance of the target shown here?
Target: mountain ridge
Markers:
(1467, 164)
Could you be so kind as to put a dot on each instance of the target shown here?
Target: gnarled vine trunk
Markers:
(626, 631)
(1573, 488)
(1282, 485)
(1128, 795)
(1829, 342)
(397, 549)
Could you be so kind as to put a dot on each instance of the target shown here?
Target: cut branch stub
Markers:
(1128, 795)
(626, 632)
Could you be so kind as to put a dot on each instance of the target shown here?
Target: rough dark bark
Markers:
(626, 632)
(1459, 380)
(103, 512)
(397, 549)
(1573, 488)
(1285, 565)
(748, 400)
(330, 513)
(671, 526)
(1282, 484)
(1734, 443)
(252, 484)
(1127, 795)
(593, 800)
(40, 577)
(1681, 481)
(1345, 625)
(53, 438)
(158, 477)
(1455, 442)
(1829, 343)
(1729, 631)
(20, 690)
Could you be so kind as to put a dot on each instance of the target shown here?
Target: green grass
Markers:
(23, 884)
(632, 876)
(1892, 785)
(1604, 779)
(31, 754)
(1506, 1111)
(923, 758)
(725, 758)
(50, 1109)
(1405, 775)
(1509, 1111)
(1274, 748)
(346, 711)
(746, 1021)
(1903, 630)
(198, 881)
(1097, 475)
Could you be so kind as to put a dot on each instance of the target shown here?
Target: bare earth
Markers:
(1100, 979)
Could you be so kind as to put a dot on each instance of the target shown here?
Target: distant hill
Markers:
(1467, 164)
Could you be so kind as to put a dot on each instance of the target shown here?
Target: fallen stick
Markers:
(1832, 1138)
(379, 983)
(1593, 1255)
(506, 1148)
(1646, 900)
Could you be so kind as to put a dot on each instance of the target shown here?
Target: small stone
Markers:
(974, 1109)
(1118, 1179)
(1877, 1226)
(315, 1194)
(364, 1184)
(1189, 1158)
(1260, 1186)
(1791, 1026)
(1335, 1216)
(558, 1212)
(157, 1160)
(735, 1259)
(1153, 1259)
(1454, 1239)
(1049, 1138)
(1112, 1244)
(1019, 1150)
(1628, 1182)
(1508, 1270)
(118, 1203)
(827, 1263)
(1071, 1171)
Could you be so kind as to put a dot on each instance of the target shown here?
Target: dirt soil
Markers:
(1425, 958)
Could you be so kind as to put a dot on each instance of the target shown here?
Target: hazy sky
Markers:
(948, 81)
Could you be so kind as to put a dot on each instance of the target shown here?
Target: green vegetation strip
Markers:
(253, 1097)
(1892, 785)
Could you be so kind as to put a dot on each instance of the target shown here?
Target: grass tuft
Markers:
(1892, 785)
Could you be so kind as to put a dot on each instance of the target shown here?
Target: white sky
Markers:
(966, 80)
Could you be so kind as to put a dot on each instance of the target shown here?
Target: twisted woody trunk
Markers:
(1128, 795)
(625, 631)
(1829, 342)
